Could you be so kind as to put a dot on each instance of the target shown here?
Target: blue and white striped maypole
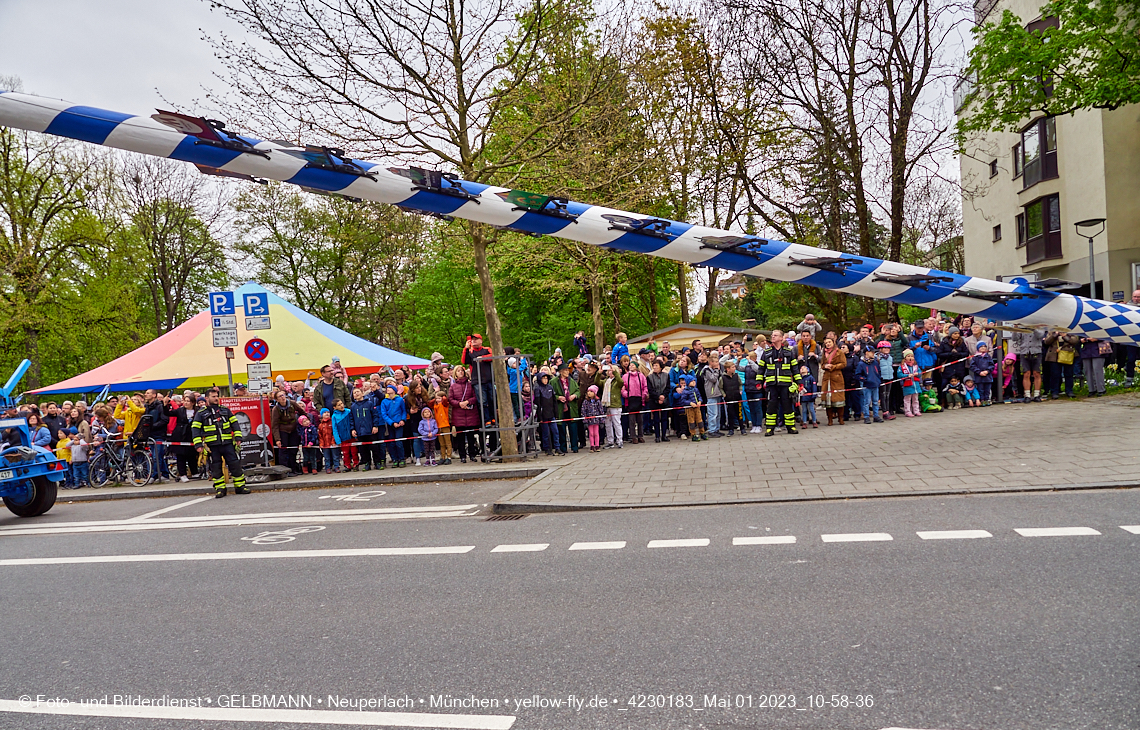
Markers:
(217, 151)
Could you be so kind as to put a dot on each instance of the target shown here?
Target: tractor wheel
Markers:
(36, 497)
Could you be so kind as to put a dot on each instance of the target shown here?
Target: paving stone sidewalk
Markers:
(1055, 444)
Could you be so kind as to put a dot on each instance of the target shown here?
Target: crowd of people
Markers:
(334, 422)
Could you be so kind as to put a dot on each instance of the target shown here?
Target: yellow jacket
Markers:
(131, 415)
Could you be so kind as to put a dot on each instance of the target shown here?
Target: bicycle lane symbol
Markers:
(279, 536)
(358, 497)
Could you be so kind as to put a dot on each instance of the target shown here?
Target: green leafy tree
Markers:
(1084, 54)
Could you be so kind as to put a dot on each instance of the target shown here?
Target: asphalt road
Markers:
(888, 628)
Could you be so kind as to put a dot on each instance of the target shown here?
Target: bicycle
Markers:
(133, 464)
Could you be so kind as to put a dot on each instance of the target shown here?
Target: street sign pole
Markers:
(230, 376)
(265, 442)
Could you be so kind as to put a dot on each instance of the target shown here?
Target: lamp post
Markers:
(1089, 223)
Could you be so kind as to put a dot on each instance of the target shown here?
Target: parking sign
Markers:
(221, 303)
(256, 305)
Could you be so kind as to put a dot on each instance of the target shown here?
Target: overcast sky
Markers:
(113, 54)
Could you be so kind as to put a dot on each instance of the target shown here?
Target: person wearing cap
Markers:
(886, 374)
(477, 359)
(516, 373)
(781, 378)
(567, 407)
(982, 368)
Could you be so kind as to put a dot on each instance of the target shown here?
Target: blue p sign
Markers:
(221, 302)
(256, 305)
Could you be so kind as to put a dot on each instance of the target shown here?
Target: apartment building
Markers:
(1024, 191)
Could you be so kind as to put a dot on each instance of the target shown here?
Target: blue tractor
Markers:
(29, 474)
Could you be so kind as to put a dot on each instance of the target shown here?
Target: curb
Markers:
(194, 490)
(504, 507)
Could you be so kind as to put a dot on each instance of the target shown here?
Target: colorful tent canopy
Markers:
(186, 358)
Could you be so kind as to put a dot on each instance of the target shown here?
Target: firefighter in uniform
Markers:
(216, 428)
(782, 383)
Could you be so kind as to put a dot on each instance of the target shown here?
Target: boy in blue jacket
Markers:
(394, 414)
(869, 377)
(342, 434)
(365, 428)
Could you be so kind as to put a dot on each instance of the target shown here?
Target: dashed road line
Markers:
(1134, 529)
(953, 534)
(617, 545)
(687, 542)
(857, 537)
(521, 548)
(1054, 531)
(765, 540)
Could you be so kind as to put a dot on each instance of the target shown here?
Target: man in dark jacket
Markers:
(731, 385)
(156, 408)
(54, 421)
(329, 389)
(657, 412)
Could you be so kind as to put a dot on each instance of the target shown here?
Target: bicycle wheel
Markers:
(100, 470)
(140, 468)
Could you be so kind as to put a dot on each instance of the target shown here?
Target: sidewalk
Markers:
(409, 474)
(1020, 447)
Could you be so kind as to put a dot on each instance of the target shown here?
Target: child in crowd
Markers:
(887, 373)
(594, 414)
(310, 446)
(342, 432)
(808, 391)
(953, 392)
(326, 438)
(732, 384)
(982, 367)
(685, 396)
(394, 413)
(973, 398)
(869, 377)
(544, 406)
(440, 407)
(79, 458)
(366, 430)
(63, 453)
(429, 432)
(911, 375)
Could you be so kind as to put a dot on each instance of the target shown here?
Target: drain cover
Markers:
(504, 518)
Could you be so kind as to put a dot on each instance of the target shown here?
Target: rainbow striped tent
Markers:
(186, 358)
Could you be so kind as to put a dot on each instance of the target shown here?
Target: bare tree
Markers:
(427, 78)
(173, 223)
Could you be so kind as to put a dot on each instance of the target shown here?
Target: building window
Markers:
(1017, 161)
(1042, 229)
(1039, 152)
(1022, 236)
(997, 232)
(993, 168)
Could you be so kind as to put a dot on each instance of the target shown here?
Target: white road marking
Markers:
(598, 545)
(689, 542)
(1054, 531)
(856, 537)
(953, 534)
(1134, 529)
(173, 525)
(164, 510)
(182, 557)
(242, 517)
(766, 540)
(521, 548)
(293, 717)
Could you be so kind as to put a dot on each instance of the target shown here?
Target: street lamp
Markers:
(1089, 223)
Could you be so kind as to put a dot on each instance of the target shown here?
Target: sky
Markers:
(112, 54)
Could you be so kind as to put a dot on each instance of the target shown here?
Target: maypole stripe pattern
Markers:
(426, 192)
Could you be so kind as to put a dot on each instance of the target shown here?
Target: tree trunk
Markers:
(653, 297)
(710, 296)
(683, 290)
(616, 303)
(33, 354)
(495, 337)
(596, 315)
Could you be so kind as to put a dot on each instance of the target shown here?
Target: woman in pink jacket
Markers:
(635, 392)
